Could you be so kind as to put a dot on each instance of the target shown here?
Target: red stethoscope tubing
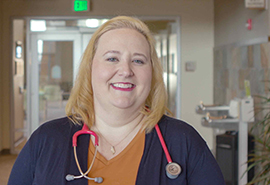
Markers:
(85, 130)
(163, 144)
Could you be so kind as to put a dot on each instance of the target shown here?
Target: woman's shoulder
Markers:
(56, 128)
(176, 125)
(58, 123)
(176, 128)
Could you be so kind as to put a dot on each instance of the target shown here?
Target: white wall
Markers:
(198, 85)
(197, 41)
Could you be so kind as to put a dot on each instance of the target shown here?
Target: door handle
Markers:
(21, 90)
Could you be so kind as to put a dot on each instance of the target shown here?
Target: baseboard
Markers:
(5, 152)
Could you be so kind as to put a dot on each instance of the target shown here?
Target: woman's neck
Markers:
(118, 122)
(117, 117)
(116, 132)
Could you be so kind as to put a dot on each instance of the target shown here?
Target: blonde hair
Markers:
(80, 106)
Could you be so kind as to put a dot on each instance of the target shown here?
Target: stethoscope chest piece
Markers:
(173, 170)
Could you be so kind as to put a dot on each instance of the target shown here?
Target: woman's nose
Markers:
(125, 69)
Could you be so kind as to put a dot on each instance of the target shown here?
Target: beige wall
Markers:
(230, 22)
(197, 42)
(1, 73)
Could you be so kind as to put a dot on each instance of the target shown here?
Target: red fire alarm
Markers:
(249, 24)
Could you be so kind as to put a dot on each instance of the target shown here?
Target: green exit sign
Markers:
(81, 5)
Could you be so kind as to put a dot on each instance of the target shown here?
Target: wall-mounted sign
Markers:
(81, 5)
(255, 4)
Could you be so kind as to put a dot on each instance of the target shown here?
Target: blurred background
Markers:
(207, 48)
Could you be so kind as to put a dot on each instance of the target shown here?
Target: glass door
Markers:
(166, 46)
(54, 63)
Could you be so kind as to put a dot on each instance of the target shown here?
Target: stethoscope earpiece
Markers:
(173, 170)
(70, 177)
(98, 179)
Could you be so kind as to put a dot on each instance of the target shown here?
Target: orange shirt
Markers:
(123, 168)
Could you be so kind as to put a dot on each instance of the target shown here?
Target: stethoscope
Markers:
(172, 169)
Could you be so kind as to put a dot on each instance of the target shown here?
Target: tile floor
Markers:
(6, 163)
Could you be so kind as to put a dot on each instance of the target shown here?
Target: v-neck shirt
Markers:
(123, 168)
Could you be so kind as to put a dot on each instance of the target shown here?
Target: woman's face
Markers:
(121, 70)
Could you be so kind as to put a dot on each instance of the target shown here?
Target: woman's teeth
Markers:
(126, 86)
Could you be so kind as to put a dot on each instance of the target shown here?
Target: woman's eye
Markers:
(138, 61)
(112, 59)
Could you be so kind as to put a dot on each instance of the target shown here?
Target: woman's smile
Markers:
(123, 86)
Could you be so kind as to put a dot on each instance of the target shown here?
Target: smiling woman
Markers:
(143, 50)
(122, 74)
(119, 94)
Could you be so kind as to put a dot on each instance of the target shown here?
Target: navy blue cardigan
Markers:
(48, 156)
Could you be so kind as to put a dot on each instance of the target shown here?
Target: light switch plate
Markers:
(190, 66)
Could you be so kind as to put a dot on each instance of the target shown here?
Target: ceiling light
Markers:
(92, 23)
(38, 25)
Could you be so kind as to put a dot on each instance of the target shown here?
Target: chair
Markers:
(52, 93)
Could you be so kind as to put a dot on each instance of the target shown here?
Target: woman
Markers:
(119, 94)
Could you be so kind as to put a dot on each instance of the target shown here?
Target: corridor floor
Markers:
(6, 163)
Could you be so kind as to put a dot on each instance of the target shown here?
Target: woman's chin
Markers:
(123, 104)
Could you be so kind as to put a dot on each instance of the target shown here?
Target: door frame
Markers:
(33, 67)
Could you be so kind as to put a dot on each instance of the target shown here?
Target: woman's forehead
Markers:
(123, 38)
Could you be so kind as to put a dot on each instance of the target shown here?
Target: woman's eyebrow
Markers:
(111, 51)
(118, 52)
(141, 54)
